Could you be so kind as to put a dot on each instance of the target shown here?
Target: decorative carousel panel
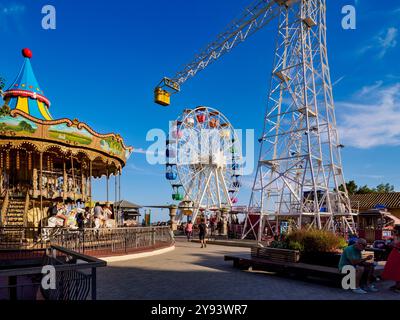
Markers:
(62, 132)
(70, 134)
(18, 126)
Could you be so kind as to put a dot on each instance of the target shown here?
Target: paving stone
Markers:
(190, 272)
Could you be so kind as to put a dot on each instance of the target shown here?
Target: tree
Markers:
(351, 187)
(25, 126)
(2, 83)
(365, 189)
(385, 188)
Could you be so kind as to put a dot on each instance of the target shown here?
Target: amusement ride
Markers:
(299, 177)
(44, 160)
(203, 162)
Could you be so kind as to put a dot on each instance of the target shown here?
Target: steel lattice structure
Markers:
(299, 175)
(300, 172)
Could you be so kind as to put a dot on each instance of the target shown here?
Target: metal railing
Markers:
(21, 274)
(113, 241)
(96, 242)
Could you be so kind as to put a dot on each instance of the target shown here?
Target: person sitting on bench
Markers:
(364, 270)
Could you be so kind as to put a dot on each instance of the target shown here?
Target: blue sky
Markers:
(102, 62)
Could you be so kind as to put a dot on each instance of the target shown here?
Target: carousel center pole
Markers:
(41, 187)
(73, 178)
(119, 194)
(90, 184)
(108, 178)
(65, 181)
(119, 185)
(115, 198)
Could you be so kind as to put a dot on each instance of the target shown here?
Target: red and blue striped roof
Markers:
(25, 94)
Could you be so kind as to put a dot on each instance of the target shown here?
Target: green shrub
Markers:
(296, 245)
(279, 244)
(309, 241)
(342, 243)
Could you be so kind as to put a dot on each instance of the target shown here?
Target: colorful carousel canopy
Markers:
(25, 120)
(25, 94)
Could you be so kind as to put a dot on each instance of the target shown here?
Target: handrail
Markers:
(4, 208)
(26, 208)
(91, 262)
(75, 280)
(96, 241)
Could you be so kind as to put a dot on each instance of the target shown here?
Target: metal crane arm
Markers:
(255, 17)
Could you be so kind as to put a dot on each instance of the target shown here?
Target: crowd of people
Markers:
(75, 215)
(211, 227)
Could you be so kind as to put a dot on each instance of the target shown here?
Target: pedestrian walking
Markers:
(202, 233)
(189, 230)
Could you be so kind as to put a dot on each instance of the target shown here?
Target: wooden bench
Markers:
(301, 270)
(275, 254)
(286, 262)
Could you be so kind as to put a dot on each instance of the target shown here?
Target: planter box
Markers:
(276, 255)
(326, 259)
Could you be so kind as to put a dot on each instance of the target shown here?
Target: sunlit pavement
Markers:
(190, 272)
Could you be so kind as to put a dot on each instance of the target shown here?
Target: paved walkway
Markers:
(190, 272)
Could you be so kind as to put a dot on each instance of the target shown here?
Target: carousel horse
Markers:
(54, 224)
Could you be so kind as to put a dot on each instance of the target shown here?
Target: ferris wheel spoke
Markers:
(191, 178)
(218, 189)
(226, 190)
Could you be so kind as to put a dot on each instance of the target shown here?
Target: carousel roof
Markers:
(25, 94)
(25, 119)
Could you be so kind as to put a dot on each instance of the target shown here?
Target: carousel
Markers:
(45, 161)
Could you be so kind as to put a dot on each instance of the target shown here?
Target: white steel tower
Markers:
(300, 174)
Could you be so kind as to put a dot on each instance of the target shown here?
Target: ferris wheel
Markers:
(203, 161)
